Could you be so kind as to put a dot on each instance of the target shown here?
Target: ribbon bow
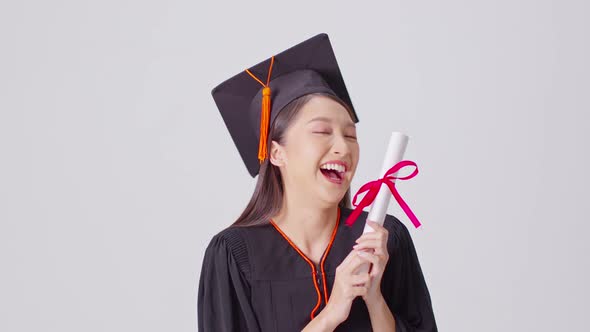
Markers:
(372, 189)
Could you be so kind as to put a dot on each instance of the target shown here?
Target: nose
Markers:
(341, 145)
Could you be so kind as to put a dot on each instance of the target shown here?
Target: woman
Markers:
(289, 263)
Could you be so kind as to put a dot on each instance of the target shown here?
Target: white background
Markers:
(116, 168)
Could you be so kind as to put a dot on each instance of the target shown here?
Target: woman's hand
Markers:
(347, 286)
(373, 247)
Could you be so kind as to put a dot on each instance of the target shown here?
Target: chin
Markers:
(329, 193)
(331, 198)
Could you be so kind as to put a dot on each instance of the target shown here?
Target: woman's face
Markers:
(321, 137)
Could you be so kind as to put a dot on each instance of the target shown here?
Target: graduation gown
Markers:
(254, 279)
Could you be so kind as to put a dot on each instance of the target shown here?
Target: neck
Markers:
(309, 226)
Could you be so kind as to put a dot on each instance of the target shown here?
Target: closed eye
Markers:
(328, 133)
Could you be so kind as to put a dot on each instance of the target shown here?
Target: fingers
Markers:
(368, 244)
(365, 258)
(372, 258)
(376, 240)
(371, 249)
(351, 262)
(375, 246)
(377, 262)
(359, 291)
(376, 226)
(348, 259)
(379, 233)
(360, 279)
(356, 262)
(359, 285)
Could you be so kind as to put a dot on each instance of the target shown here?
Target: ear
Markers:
(277, 154)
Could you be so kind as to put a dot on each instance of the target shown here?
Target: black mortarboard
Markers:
(250, 101)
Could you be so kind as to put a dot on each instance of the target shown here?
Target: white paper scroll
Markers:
(394, 154)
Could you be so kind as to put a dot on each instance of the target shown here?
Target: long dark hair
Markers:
(267, 198)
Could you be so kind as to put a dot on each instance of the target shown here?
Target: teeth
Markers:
(337, 167)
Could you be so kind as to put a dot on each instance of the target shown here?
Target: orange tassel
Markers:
(265, 113)
(264, 121)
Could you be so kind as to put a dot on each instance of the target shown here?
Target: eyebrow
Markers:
(325, 119)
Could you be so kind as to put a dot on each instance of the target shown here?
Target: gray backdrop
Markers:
(113, 154)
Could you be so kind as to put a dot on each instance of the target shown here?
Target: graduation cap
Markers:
(250, 101)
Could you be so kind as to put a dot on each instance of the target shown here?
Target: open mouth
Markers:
(333, 172)
(332, 175)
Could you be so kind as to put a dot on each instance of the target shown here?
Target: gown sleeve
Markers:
(409, 299)
(223, 303)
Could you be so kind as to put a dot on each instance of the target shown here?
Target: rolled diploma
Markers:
(395, 153)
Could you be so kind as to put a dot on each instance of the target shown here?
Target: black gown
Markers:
(253, 279)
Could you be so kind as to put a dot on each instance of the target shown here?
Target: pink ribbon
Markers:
(372, 189)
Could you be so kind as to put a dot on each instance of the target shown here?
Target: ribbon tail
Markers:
(353, 216)
(366, 201)
(403, 205)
